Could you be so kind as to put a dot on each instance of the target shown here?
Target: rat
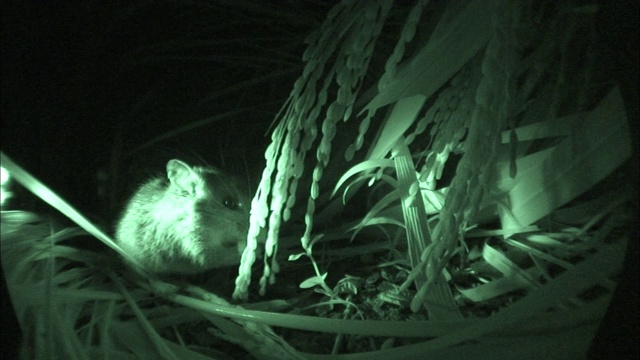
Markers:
(193, 220)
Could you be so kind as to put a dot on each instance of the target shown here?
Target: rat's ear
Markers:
(182, 175)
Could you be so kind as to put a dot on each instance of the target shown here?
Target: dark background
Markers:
(89, 86)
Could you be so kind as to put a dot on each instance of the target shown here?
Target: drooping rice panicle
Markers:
(347, 38)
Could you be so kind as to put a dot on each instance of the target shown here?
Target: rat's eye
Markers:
(231, 203)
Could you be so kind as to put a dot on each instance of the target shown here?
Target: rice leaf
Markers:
(381, 220)
(364, 166)
(598, 143)
(569, 284)
(51, 198)
(433, 199)
(507, 267)
(495, 288)
(404, 113)
(451, 46)
(386, 200)
(439, 301)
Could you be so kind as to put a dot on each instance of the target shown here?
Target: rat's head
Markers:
(217, 209)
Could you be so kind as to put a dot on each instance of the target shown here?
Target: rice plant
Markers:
(361, 244)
